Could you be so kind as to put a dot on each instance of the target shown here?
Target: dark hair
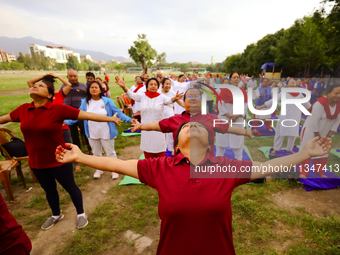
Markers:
(88, 95)
(180, 76)
(151, 79)
(231, 75)
(90, 74)
(331, 87)
(49, 81)
(164, 80)
(185, 94)
(265, 79)
(139, 77)
(180, 128)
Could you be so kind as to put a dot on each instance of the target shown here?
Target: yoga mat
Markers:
(127, 180)
(230, 154)
(129, 133)
(313, 181)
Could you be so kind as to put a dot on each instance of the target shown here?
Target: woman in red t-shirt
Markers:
(41, 124)
(194, 205)
(58, 98)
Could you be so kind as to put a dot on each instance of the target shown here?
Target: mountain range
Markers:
(16, 45)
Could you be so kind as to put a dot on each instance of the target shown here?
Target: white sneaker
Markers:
(114, 176)
(98, 174)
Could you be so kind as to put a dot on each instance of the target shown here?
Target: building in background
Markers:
(11, 57)
(85, 56)
(101, 62)
(213, 60)
(3, 56)
(114, 61)
(59, 53)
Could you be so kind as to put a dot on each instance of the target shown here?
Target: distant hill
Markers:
(16, 45)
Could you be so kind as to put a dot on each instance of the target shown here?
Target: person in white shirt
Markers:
(100, 134)
(168, 111)
(181, 86)
(152, 106)
(293, 113)
(253, 84)
(139, 88)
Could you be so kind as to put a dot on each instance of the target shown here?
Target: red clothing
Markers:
(154, 155)
(196, 213)
(11, 233)
(42, 130)
(172, 124)
(59, 99)
(107, 78)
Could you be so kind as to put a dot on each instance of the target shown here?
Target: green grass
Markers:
(129, 207)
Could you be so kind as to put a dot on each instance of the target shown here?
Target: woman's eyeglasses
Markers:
(196, 96)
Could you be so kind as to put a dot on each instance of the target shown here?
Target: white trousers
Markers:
(169, 141)
(221, 150)
(278, 142)
(97, 146)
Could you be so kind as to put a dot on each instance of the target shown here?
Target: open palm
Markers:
(67, 156)
(317, 147)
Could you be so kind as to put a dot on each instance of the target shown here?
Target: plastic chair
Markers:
(3, 140)
(5, 168)
(127, 110)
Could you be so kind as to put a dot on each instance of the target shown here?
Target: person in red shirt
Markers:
(192, 103)
(41, 124)
(13, 239)
(58, 98)
(194, 205)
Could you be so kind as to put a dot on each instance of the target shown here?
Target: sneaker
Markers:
(82, 222)
(98, 174)
(51, 221)
(114, 176)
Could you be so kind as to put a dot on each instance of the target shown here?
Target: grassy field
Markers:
(260, 226)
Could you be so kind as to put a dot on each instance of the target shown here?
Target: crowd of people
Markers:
(167, 110)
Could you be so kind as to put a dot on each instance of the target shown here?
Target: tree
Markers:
(120, 67)
(143, 53)
(15, 65)
(85, 66)
(72, 62)
(60, 66)
(5, 65)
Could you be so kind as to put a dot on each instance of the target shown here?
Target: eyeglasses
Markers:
(196, 96)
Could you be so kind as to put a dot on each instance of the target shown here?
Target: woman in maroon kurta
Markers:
(194, 205)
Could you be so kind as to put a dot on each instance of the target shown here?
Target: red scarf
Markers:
(151, 94)
(325, 104)
(227, 97)
(135, 91)
(294, 94)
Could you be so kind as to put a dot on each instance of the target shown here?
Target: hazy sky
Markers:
(185, 30)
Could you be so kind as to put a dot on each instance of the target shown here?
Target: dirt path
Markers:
(46, 242)
(317, 202)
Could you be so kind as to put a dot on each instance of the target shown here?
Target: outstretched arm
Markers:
(100, 118)
(5, 119)
(240, 131)
(128, 167)
(313, 148)
(151, 126)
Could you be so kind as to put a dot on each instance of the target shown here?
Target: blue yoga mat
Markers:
(313, 181)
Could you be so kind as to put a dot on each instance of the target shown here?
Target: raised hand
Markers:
(178, 95)
(318, 146)
(120, 82)
(116, 120)
(67, 156)
(261, 95)
(135, 126)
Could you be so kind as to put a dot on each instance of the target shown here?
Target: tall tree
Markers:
(72, 62)
(143, 53)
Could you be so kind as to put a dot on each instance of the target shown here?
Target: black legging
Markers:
(64, 175)
(75, 134)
